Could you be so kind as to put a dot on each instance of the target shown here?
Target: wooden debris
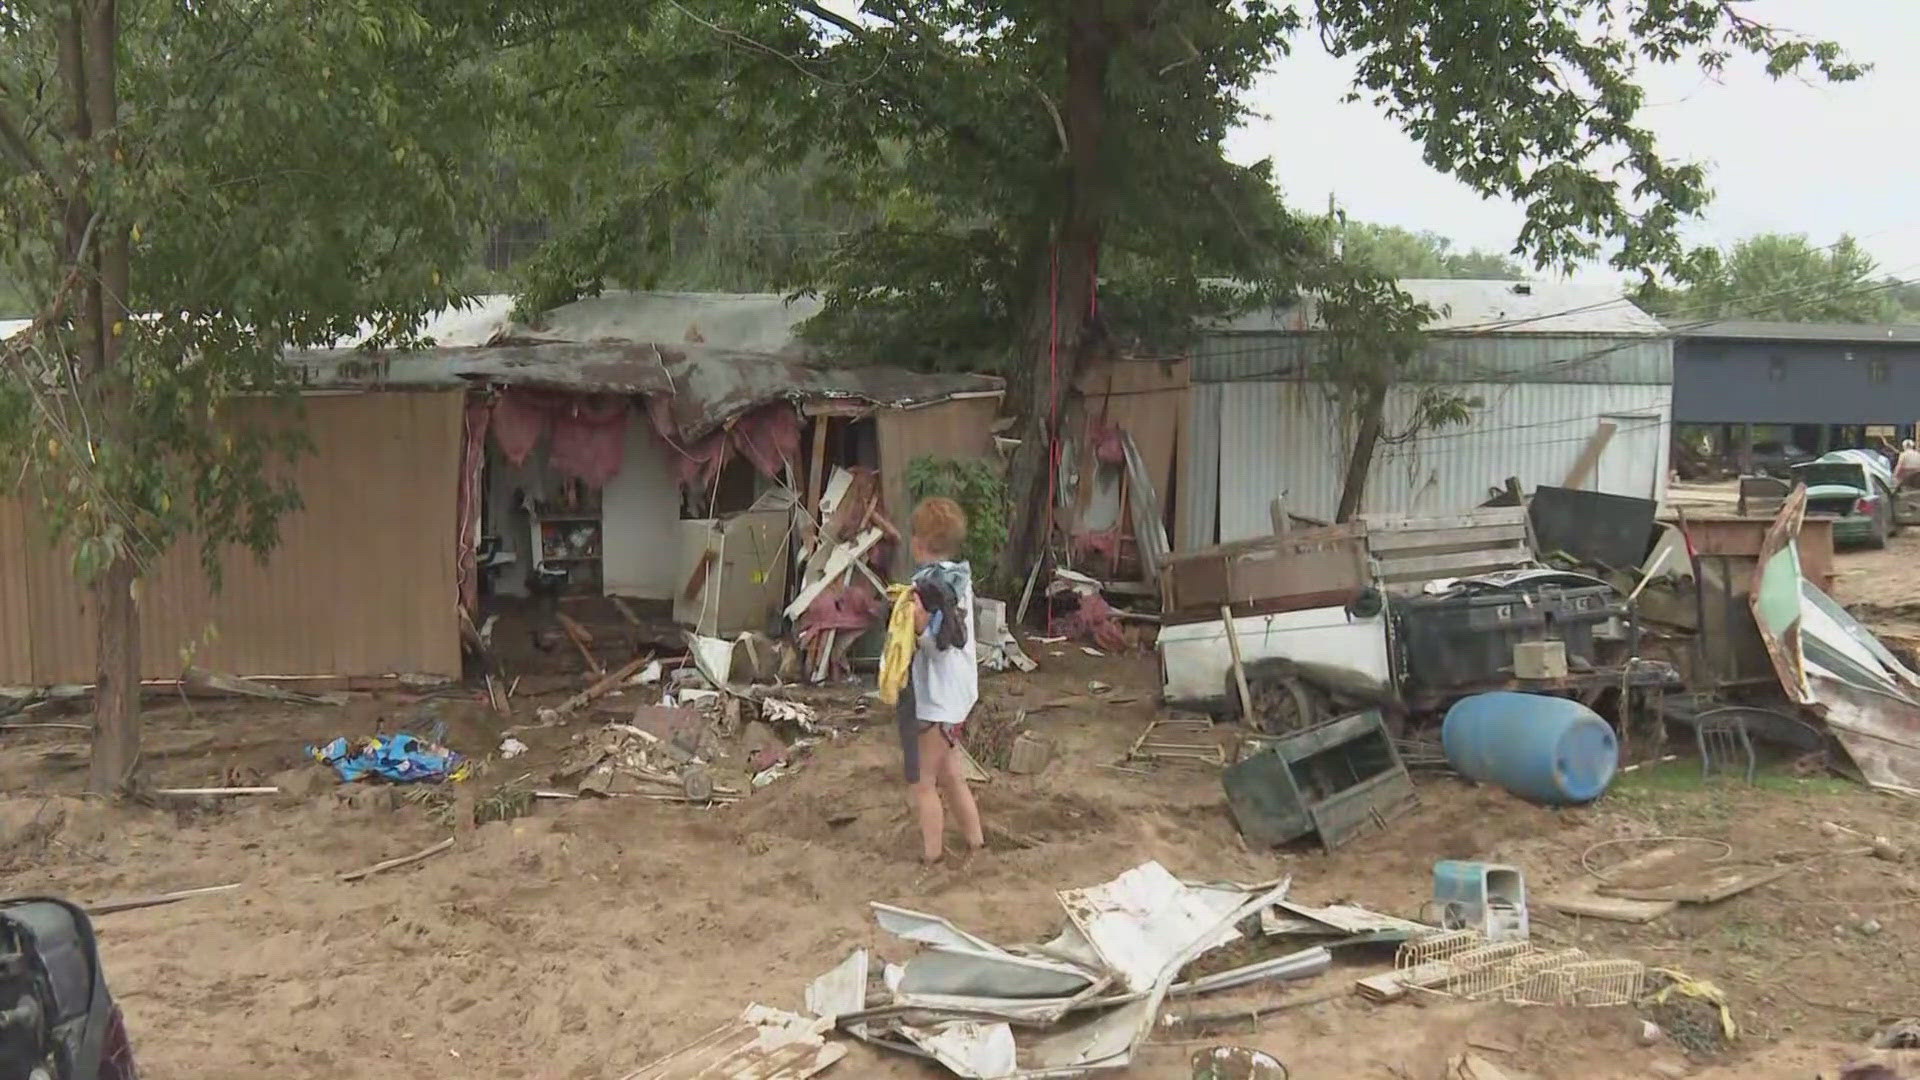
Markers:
(1239, 670)
(392, 864)
(1584, 900)
(582, 639)
(839, 563)
(107, 907)
(1471, 1066)
(198, 681)
(975, 771)
(1707, 885)
(598, 690)
(201, 791)
(626, 611)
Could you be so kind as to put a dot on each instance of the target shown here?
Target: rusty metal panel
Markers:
(363, 582)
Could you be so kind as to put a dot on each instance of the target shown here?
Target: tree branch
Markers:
(13, 140)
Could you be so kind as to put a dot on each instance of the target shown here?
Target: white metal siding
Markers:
(1288, 437)
(1199, 487)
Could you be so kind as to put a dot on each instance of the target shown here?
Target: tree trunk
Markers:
(116, 698)
(89, 44)
(1360, 463)
(1060, 315)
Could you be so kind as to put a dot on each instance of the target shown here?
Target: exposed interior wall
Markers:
(1148, 400)
(639, 511)
(363, 582)
(957, 428)
(1287, 438)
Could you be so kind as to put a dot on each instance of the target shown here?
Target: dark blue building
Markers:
(1828, 382)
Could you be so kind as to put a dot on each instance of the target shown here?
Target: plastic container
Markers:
(1544, 749)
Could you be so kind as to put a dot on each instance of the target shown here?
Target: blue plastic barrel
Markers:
(1545, 749)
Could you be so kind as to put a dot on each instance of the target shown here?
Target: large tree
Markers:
(1405, 253)
(187, 189)
(1057, 179)
(1782, 278)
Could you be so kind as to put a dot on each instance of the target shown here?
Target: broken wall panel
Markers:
(1147, 398)
(957, 428)
(363, 582)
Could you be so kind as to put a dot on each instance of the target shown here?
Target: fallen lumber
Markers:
(392, 864)
(582, 640)
(193, 791)
(607, 685)
(198, 681)
(108, 907)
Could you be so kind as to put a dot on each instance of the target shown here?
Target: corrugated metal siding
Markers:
(361, 584)
(1288, 437)
(1198, 490)
(1547, 358)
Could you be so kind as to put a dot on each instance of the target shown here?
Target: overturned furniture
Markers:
(1333, 780)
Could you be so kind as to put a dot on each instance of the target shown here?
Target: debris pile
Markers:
(1085, 1000)
(710, 751)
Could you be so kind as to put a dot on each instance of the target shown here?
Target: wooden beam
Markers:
(817, 471)
(1589, 456)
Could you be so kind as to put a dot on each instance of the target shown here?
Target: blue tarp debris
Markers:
(402, 758)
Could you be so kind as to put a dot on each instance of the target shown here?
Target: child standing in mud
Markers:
(944, 681)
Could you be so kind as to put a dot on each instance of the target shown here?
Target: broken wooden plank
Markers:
(582, 639)
(393, 864)
(626, 611)
(598, 690)
(186, 792)
(1589, 458)
(838, 565)
(1591, 905)
(107, 907)
(199, 681)
(1707, 885)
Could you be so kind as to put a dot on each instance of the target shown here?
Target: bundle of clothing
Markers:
(939, 588)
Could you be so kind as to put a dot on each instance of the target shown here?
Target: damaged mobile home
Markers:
(669, 449)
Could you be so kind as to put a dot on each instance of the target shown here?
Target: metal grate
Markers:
(1460, 963)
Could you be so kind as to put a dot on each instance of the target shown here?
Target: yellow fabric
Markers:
(1700, 989)
(896, 658)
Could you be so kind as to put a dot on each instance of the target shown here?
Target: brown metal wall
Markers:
(950, 429)
(361, 584)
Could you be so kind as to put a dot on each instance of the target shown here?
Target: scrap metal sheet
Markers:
(1826, 660)
(763, 1044)
(1141, 920)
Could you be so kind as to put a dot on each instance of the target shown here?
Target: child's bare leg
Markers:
(952, 775)
(925, 794)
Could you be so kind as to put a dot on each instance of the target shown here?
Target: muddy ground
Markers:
(589, 937)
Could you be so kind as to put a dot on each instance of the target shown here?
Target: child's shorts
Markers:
(906, 717)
